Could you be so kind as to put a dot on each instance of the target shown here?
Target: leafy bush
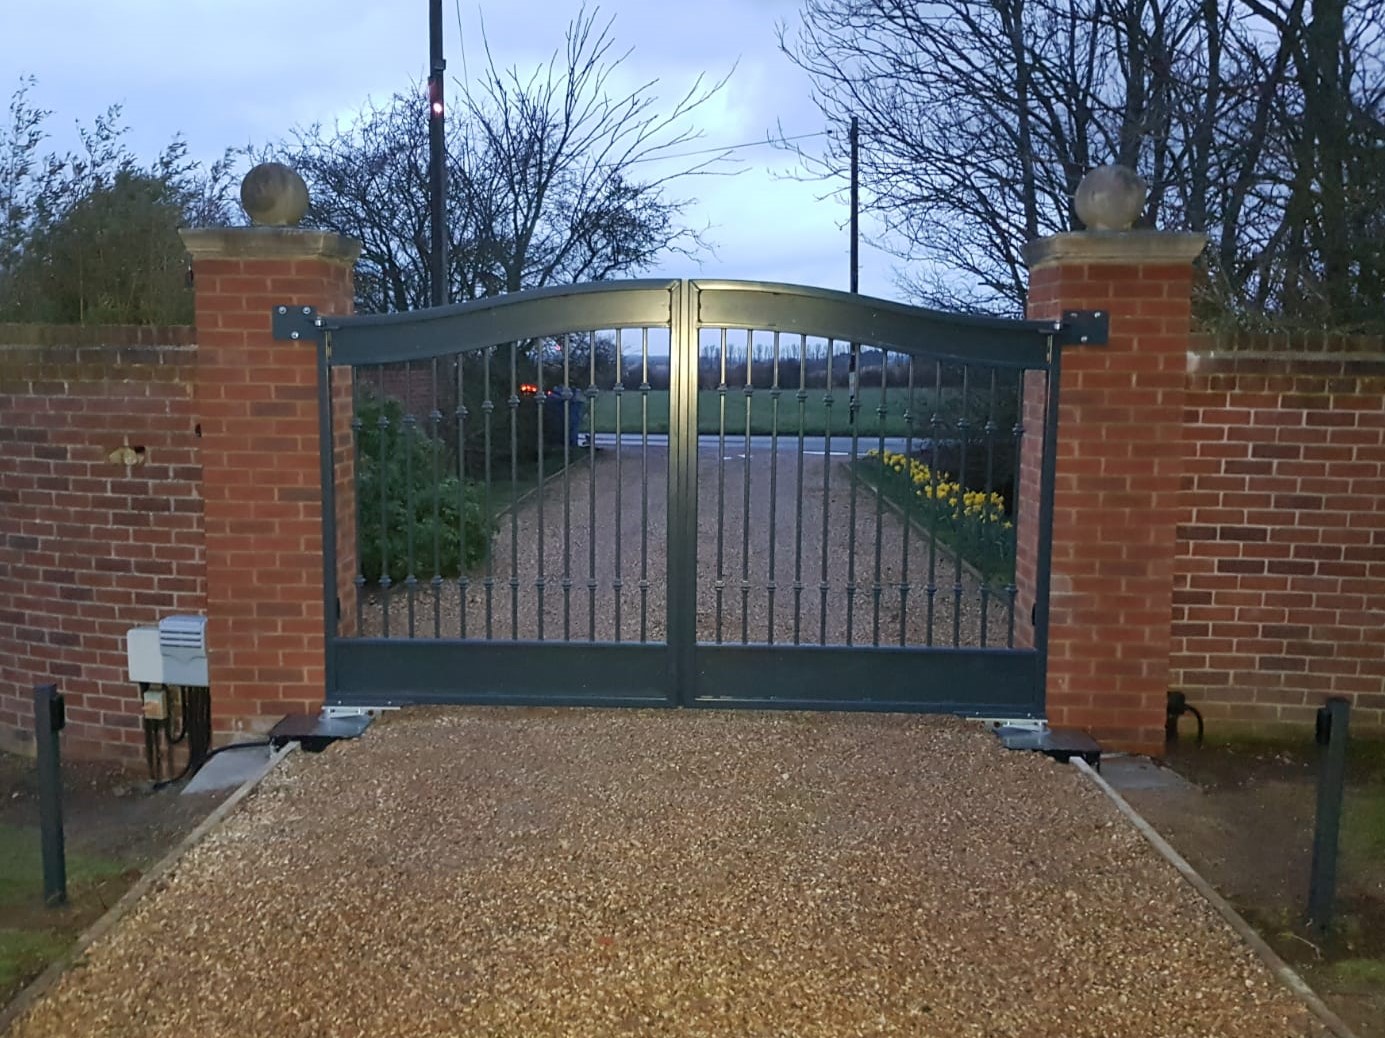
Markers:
(444, 509)
(972, 523)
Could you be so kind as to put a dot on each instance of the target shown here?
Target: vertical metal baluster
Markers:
(410, 505)
(540, 401)
(644, 484)
(745, 506)
(721, 484)
(853, 413)
(986, 513)
(1012, 589)
(357, 427)
(882, 410)
(488, 413)
(591, 490)
(463, 577)
(935, 424)
(908, 509)
(435, 447)
(385, 582)
(773, 488)
(513, 403)
(567, 489)
(823, 585)
(802, 397)
(617, 584)
(959, 510)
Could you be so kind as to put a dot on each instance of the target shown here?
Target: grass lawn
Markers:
(762, 412)
(33, 935)
(21, 867)
(505, 491)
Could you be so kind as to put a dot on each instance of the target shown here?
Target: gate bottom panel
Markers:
(393, 672)
(969, 682)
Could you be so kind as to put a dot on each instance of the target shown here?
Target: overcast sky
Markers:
(231, 73)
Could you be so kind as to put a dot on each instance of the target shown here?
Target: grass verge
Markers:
(816, 420)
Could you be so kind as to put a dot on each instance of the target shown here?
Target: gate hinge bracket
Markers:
(295, 323)
(1084, 328)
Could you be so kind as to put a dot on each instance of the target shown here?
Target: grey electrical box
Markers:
(173, 653)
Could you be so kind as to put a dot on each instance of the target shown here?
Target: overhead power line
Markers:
(729, 147)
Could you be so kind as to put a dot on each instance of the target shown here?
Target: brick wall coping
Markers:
(99, 336)
(1269, 345)
(1114, 247)
(269, 243)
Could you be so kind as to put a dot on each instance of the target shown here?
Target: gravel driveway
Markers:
(604, 545)
(580, 872)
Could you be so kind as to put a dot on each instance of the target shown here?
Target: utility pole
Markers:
(855, 205)
(437, 156)
(855, 252)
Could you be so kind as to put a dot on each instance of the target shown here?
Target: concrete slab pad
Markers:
(1127, 773)
(227, 770)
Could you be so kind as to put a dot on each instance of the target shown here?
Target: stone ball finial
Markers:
(273, 195)
(1110, 198)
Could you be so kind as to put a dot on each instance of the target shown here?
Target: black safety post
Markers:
(1331, 733)
(49, 718)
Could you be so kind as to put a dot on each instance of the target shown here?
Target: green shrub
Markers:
(441, 508)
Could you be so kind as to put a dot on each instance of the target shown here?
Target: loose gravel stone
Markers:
(513, 872)
(603, 542)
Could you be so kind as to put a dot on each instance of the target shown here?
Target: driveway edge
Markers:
(50, 976)
(1268, 956)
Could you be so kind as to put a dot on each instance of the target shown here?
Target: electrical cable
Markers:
(209, 755)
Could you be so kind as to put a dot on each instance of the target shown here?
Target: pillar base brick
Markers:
(257, 399)
(1119, 458)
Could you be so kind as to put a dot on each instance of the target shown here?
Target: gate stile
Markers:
(472, 396)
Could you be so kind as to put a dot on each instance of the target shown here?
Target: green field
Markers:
(815, 412)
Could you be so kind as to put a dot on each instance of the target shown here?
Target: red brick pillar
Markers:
(1119, 457)
(257, 401)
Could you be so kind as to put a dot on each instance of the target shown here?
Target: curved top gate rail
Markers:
(765, 306)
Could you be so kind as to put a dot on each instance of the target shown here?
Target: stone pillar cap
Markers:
(269, 243)
(1114, 247)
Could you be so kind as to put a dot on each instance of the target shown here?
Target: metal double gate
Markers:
(693, 493)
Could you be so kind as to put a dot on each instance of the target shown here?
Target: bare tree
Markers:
(543, 172)
(979, 117)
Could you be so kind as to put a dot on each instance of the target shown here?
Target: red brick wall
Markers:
(1118, 466)
(91, 546)
(1279, 594)
(258, 402)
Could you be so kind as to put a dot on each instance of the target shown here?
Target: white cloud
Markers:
(230, 74)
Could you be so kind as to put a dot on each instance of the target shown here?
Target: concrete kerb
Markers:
(1281, 969)
(44, 982)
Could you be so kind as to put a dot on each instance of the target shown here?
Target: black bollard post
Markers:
(49, 718)
(1332, 733)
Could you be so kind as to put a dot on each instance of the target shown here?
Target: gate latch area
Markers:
(294, 323)
(1085, 328)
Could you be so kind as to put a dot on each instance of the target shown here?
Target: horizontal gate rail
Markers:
(970, 682)
(827, 314)
(462, 327)
(410, 672)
